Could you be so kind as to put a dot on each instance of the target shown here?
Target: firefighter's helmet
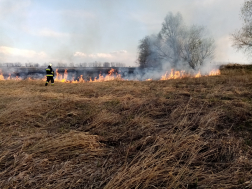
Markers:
(50, 65)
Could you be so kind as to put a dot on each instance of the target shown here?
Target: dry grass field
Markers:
(184, 133)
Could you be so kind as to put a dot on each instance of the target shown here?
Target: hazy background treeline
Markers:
(91, 64)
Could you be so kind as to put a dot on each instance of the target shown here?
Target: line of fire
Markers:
(97, 74)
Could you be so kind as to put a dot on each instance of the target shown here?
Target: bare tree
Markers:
(242, 39)
(195, 48)
(144, 52)
(151, 52)
(176, 45)
(171, 34)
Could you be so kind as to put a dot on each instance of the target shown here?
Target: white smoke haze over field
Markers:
(105, 31)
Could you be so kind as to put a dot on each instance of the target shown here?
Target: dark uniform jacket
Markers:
(49, 71)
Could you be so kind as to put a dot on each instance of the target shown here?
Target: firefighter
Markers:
(49, 75)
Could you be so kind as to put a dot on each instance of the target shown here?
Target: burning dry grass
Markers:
(186, 133)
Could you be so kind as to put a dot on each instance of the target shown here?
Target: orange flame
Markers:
(58, 76)
(81, 80)
(197, 75)
(214, 72)
(1, 75)
(109, 77)
(173, 75)
(181, 74)
(17, 78)
(65, 75)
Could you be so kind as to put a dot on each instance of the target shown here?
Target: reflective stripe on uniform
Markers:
(46, 81)
(49, 75)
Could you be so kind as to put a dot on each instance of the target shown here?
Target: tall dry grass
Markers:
(186, 133)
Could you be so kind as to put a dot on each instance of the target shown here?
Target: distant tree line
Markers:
(18, 64)
(92, 64)
(176, 45)
(11, 64)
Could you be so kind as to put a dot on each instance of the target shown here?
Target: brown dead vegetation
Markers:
(185, 133)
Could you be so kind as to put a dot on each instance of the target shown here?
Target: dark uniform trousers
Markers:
(49, 78)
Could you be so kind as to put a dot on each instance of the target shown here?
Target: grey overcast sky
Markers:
(105, 30)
